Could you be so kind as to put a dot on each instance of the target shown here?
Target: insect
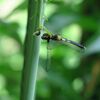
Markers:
(55, 37)
(58, 38)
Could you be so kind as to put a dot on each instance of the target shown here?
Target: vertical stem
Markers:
(32, 46)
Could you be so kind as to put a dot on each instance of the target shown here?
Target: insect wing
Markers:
(74, 43)
(48, 59)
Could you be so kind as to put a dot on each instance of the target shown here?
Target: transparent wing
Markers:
(74, 43)
(48, 59)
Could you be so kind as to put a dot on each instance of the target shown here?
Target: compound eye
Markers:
(45, 36)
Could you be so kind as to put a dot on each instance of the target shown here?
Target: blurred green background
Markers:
(73, 75)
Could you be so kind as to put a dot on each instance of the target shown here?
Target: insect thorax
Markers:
(56, 37)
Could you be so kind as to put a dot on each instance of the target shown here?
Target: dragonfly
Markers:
(48, 36)
(56, 37)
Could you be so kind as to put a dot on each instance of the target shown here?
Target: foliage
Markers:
(73, 75)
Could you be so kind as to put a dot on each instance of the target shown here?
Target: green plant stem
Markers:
(31, 52)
